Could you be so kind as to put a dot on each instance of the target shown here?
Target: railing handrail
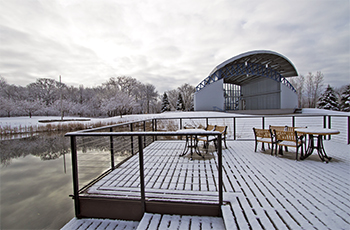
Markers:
(146, 133)
(217, 117)
(234, 116)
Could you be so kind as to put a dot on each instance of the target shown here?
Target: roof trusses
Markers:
(251, 66)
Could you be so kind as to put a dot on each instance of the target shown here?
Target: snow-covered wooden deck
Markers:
(260, 191)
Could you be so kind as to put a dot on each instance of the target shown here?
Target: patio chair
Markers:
(284, 128)
(263, 136)
(290, 139)
(207, 139)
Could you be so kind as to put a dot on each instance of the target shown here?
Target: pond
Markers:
(36, 181)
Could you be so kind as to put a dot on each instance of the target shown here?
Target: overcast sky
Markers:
(167, 43)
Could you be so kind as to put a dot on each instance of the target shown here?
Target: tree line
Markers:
(312, 93)
(116, 97)
(126, 95)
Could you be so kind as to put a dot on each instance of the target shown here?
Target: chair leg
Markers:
(272, 148)
(280, 150)
(256, 145)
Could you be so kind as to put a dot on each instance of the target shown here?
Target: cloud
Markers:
(167, 43)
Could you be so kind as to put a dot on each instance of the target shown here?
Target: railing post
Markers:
(142, 179)
(263, 122)
(329, 126)
(131, 140)
(348, 130)
(112, 149)
(220, 170)
(206, 122)
(180, 123)
(324, 124)
(75, 175)
(155, 129)
(144, 138)
(293, 121)
(234, 128)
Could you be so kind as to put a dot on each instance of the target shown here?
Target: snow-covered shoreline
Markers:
(22, 122)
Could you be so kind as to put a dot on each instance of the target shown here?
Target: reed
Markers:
(51, 127)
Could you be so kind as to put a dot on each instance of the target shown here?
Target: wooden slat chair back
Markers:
(263, 136)
(290, 139)
(278, 127)
(210, 128)
(284, 128)
(223, 131)
(207, 139)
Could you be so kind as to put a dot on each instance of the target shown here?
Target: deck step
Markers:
(99, 224)
(157, 221)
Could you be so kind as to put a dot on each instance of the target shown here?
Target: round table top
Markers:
(197, 131)
(317, 131)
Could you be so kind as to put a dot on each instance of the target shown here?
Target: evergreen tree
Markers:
(328, 100)
(165, 103)
(180, 103)
(345, 100)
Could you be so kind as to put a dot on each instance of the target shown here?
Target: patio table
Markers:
(318, 133)
(191, 141)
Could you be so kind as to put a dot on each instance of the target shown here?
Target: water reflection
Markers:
(36, 180)
(47, 147)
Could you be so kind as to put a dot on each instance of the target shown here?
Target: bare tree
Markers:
(187, 92)
(298, 83)
(30, 107)
(120, 104)
(149, 95)
(7, 106)
(45, 90)
(172, 97)
(314, 87)
(127, 84)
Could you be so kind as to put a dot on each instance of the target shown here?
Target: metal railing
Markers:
(240, 127)
(142, 133)
(140, 141)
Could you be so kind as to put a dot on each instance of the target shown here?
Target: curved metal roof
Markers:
(250, 66)
(274, 60)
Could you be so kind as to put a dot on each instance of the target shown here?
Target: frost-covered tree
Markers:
(46, 90)
(172, 98)
(120, 104)
(165, 103)
(187, 91)
(328, 100)
(7, 106)
(147, 97)
(345, 99)
(180, 104)
(298, 84)
(30, 107)
(64, 107)
(128, 85)
(313, 87)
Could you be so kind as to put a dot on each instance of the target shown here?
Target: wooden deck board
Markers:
(267, 192)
